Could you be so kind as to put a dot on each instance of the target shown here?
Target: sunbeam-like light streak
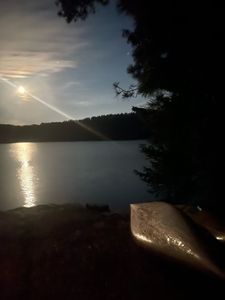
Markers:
(57, 110)
(8, 82)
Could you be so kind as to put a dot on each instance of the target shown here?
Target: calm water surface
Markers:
(71, 172)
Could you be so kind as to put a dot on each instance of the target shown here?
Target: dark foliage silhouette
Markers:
(107, 127)
(178, 47)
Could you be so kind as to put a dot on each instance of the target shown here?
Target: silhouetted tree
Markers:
(178, 54)
(107, 127)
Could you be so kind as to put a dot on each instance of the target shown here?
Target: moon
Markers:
(21, 90)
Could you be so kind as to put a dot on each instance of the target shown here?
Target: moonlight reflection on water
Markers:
(71, 172)
(22, 153)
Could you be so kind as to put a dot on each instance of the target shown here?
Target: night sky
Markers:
(70, 66)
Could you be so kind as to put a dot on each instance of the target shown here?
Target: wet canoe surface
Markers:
(61, 252)
(166, 230)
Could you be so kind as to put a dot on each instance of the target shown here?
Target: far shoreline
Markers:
(71, 141)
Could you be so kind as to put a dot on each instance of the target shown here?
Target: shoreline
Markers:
(66, 251)
(71, 141)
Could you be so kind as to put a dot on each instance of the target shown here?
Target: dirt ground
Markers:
(67, 252)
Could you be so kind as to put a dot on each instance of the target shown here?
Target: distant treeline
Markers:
(126, 126)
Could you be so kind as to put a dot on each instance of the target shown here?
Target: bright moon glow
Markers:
(21, 90)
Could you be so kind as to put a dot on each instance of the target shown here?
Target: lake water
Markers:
(71, 172)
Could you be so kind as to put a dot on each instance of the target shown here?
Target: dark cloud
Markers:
(72, 67)
(32, 43)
